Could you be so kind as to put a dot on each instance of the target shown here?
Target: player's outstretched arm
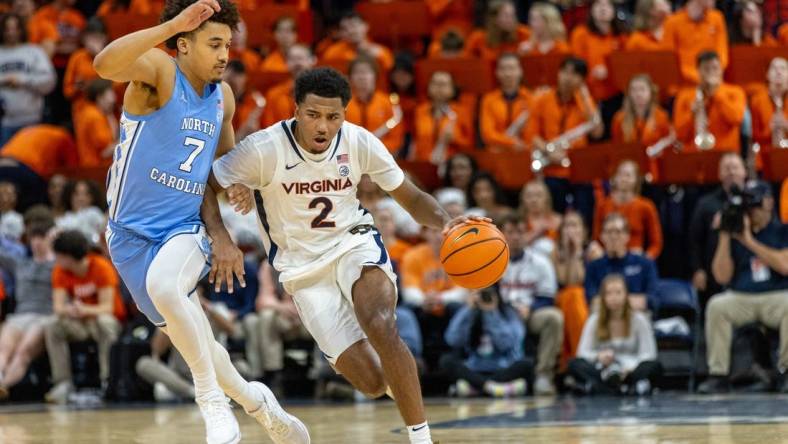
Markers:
(134, 57)
(425, 209)
(226, 258)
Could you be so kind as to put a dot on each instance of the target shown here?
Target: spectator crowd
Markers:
(593, 263)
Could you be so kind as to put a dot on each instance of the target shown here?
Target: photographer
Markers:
(752, 260)
(490, 333)
(704, 225)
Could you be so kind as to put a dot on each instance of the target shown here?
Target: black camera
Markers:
(734, 209)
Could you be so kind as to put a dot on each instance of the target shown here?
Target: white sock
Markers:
(230, 381)
(419, 433)
(389, 392)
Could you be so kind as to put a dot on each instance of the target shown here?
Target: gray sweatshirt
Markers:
(33, 283)
(640, 346)
(23, 105)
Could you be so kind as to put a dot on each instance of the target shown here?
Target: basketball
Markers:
(474, 255)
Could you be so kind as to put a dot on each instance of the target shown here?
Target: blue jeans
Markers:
(7, 132)
(409, 330)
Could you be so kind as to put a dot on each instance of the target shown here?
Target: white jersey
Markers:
(307, 203)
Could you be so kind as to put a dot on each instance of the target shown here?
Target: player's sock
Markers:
(389, 392)
(199, 362)
(419, 433)
(230, 381)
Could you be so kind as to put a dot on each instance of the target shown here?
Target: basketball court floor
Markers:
(665, 418)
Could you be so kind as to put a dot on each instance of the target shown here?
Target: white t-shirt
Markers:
(528, 277)
(307, 203)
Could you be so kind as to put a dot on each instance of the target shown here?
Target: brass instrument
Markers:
(704, 140)
(393, 121)
(778, 137)
(517, 125)
(662, 144)
(540, 159)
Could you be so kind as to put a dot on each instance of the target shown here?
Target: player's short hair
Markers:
(707, 56)
(579, 66)
(96, 88)
(227, 16)
(71, 243)
(322, 82)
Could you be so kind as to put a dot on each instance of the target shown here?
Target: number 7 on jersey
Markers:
(198, 145)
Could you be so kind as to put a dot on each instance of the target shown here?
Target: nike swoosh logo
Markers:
(290, 167)
(416, 429)
(470, 230)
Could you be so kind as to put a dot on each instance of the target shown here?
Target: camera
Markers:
(734, 209)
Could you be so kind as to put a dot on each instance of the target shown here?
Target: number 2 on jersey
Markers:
(198, 145)
(320, 221)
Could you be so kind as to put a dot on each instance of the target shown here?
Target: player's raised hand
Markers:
(226, 260)
(192, 17)
(240, 198)
(464, 220)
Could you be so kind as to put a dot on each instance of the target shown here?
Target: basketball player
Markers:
(305, 172)
(177, 115)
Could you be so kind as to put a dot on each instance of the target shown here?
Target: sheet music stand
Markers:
(775, 164)
(697, 167)
(662, 66)
(470, 74)
(542, 69)
(749, 64)
(599, 161)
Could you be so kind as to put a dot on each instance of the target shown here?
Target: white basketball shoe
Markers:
(282, 427)
(221, 427)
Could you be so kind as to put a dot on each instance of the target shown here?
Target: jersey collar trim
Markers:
(290, 137)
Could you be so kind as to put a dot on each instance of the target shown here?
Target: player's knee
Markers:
(380, 324)
(373, 385)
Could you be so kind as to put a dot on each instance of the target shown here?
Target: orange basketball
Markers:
(474, 255)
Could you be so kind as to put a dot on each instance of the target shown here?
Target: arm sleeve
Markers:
(647, 344)
(721, 45)
(58, 278)
(377, 161)
(585, 348)
(683, 120)
(732, 104)
(41, 77)
(547, 285)
(651, 279)
(654, 229)
(505, 329)
(490, 136)
(252, 162)
(459, 330)
(69, 88)
(105, 275)
(591, 283)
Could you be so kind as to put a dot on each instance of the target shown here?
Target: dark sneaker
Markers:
(714, 385)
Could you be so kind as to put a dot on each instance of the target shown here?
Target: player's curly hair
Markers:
(228, 16)
(322, 82)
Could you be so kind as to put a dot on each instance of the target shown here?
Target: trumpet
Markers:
(704, 139)
(778, 136)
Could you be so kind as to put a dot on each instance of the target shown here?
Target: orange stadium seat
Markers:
(541, 70)
(260, 21)
(599, 161)
(662, 66)
(263, 81)
(122, 23)
(397, 20)
(513, 170)
(470, 74)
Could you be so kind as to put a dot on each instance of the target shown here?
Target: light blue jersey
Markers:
(156, 184)
(161, 165)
